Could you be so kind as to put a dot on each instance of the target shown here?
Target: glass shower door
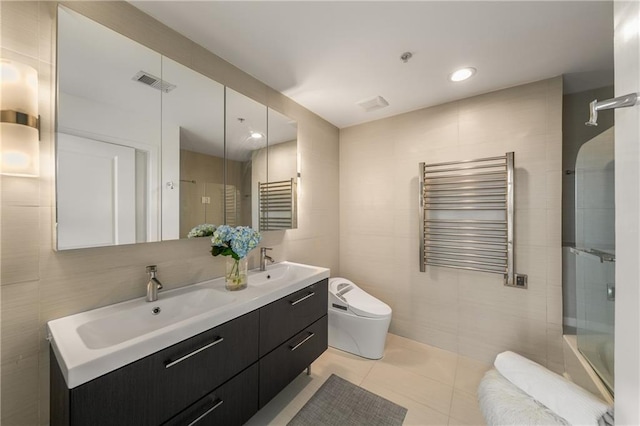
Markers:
(595, 253)
(595, 293)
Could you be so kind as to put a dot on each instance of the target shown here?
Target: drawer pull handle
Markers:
(189, 355)
(295, 302)
(217, 404)
(293, 348)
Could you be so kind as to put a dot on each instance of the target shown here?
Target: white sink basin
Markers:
(143, 317)
(90, 344)
(280, 274)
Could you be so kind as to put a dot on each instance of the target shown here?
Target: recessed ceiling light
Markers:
(462, 74)
(256, 135)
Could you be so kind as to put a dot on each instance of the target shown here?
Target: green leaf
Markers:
(215, 251)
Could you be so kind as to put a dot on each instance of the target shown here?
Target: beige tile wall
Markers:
(468, 312)
(39, 284)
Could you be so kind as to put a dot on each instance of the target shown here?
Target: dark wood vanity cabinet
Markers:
(282, 319)
(153, 389)
(279, 367)
(293, 330)
(222, 376)
(231, 404)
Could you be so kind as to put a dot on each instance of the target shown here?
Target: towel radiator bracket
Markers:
(521, 281)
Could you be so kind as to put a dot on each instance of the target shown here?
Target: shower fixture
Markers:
(620, 102)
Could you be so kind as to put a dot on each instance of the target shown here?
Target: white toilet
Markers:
(358, 322)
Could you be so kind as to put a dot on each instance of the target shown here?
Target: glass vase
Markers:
(236, 275)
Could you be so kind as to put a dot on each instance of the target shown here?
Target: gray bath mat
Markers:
(341, 403)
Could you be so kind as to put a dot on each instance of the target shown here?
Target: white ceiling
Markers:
(327, 56)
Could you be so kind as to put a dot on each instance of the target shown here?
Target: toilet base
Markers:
(360, 336)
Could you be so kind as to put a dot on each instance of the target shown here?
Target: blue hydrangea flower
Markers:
(235, 242)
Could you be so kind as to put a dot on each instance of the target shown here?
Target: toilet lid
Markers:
(360, 302)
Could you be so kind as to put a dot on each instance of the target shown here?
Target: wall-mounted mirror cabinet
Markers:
(147, 148)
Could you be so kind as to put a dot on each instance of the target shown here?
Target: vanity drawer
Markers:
(287, 316)
(194, 367)
(151, 390)
(287, 361)
(231, 404)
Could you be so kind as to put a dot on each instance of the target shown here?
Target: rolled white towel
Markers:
(504, 404)
(563, 397)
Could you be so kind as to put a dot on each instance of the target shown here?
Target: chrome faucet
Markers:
(153, 286)
(264, 257)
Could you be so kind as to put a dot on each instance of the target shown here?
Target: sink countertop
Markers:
(80, 363)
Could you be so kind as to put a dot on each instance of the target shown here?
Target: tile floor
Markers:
(437, 387)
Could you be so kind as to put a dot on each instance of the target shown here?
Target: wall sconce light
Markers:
(19, 120)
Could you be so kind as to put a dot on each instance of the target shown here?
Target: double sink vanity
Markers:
(197, 355)
(190, 151)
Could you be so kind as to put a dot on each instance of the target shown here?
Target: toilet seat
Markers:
(357, 301)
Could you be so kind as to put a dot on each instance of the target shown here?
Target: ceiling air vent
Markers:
(153, 81)
(373, 104)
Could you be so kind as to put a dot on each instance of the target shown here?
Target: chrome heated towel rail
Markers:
(278, 205)
(467, 216)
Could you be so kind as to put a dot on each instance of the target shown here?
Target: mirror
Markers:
(193, 175)
(246, 147)
(279, 195)
(108, 146)
(147, 148)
